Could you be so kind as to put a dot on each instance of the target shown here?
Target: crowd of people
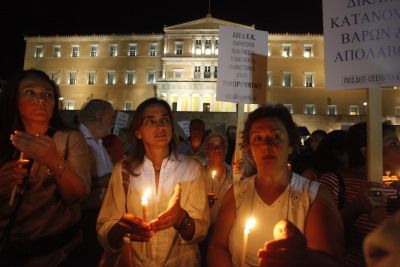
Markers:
(71, 196)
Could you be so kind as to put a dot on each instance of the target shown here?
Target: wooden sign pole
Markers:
(375, 166)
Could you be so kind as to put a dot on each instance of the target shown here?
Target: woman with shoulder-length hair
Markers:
(44, 173)
(178, 215)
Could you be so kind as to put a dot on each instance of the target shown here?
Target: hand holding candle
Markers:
(251, 222)
(14, 191)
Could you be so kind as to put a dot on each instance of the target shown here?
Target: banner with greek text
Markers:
(242, 65)
(362, 43)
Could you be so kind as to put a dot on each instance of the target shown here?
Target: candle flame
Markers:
(145, 196)
(251, 222)
(213, 174)
(21, 156)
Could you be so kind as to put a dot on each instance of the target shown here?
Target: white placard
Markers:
(185, 127)
(362, 43)
(242, 65)
(121, 121)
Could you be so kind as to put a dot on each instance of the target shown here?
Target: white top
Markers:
(168, 249)
(104, 164)
(248, 203)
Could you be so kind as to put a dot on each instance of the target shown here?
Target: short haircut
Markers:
(92, 108)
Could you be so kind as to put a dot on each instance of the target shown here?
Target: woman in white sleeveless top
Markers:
(275, 193)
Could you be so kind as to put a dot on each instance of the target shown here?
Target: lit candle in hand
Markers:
(145, 206)
(249, 225)
(212, 180)
(14, 191)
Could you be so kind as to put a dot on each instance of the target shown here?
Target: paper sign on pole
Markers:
(242, 65)
(362, 43)
(121, 121)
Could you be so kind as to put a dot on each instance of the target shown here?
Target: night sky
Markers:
(120, 16)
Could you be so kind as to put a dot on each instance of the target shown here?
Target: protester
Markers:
(39, 224)
(178, 214)
(275, 193)
(193, 145)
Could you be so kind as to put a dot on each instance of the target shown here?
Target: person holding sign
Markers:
(272, 194)
(176, 207)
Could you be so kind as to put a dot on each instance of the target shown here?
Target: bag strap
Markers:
(342, 190)
(125, 184)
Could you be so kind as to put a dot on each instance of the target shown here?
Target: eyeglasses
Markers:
(216, 147)
(151, 122)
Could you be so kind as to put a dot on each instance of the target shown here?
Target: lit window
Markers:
(197, 72)
(69, 104)
(289, 107)
(354, 110)
(72, 78)
(286, 50)
(309, 109)
(269, 49)
(113, 50)
(94, 50)
(308, 80)
(331, 110)
(151, 77)
(197, 47)
(215, 72)
(39, 51)
(54, 76)
(178, 73)
(308, 52)
(110, 77)
(130, 77)
(132, 50)
(269, 78)
(152, 49)
(57, 51)
(128, 105)
(207, 72)
(208, 47)
(75, 51)
(397, 111)
(287, 79)
(91, 78)
(178, 48)
(216, 47)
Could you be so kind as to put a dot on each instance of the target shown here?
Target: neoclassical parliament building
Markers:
(180, 66)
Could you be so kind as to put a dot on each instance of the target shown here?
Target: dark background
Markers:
(33, 17)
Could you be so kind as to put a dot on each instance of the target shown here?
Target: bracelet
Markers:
(60, 168)
(185, 224)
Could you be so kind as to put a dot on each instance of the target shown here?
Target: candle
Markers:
(212, 180)
(145, 207)
(249, 225)
(14, 190)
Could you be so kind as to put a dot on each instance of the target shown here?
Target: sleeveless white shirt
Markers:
(248, 203)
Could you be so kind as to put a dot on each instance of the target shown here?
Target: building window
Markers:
(308, 51)
(206, 107)
(132, 50)
(309, 109)
(178, 48)
(113, 50)
(130, 77)
(287, 79)
(215, 72)
(308, 79)
(397, 111)
(269, 49)
(57, 51)
(91, 78)
(208, 47)
(110, 77)
(269, 78)
(354, 110)
(75, 51)
(216, 47)
(55, 77)
(331, 110)
(128, 105)
(197, 47)
(178, 73)
(289, 107)
(207, 72)
(286, 50)
(94, 50)
(39, 51)
(151, 77)
(69, 104)
(174, 106)
(72, 78)
(152, 49)
(197, 72)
